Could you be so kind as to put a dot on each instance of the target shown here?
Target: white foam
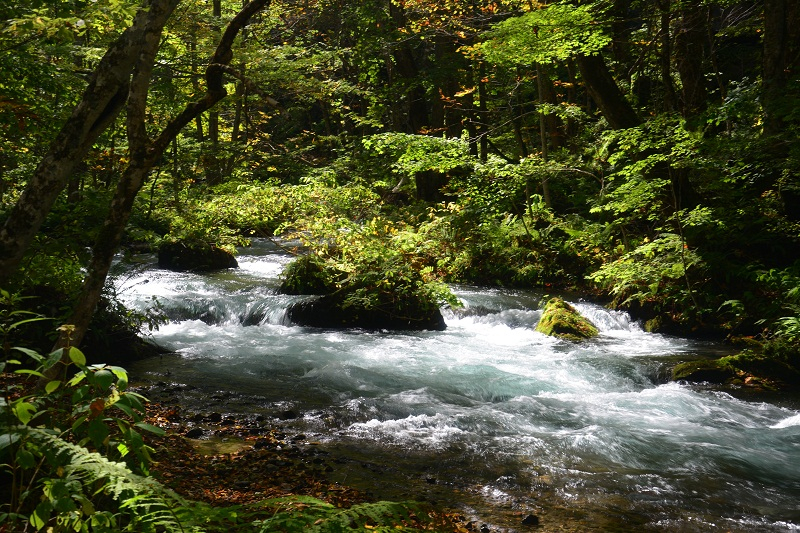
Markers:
(787, 422)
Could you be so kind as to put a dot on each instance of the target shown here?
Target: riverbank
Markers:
(225, 460)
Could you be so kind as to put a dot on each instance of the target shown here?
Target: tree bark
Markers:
(212, 161)
(689, 56)
(665, 56)
(145, 155)
(483, 118)
(99, 106)
(780, 59)
(606, 94)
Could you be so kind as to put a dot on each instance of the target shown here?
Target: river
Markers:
(488, 415)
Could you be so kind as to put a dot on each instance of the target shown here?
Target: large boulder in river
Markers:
(182, 256)
(560, 319)
(368, 299)
(333, 311)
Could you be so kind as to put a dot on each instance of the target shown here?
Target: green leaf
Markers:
(76, 356)
(41, 515)
(103, 379)
(52, 386)
(24, 411)
(122, 449)
(7, 439)
(28, 371)
(554, 33)
(86, 505)
(122, 377)
(25, 459)
(21, 322)
(151, 428)
(98, 432)
(79, 422)
(30, 353)
(53, 358)
(80, 376)
(125, 408)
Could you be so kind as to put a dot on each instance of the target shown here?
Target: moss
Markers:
(307, 274)
(372, 299)
(195, 256)
(746, 368)
(708, 370)
(559, 319)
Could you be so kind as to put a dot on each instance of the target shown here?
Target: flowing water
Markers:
(488, 414)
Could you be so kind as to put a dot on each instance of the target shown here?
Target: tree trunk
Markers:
(483, 118)
(213, 165)
(99, 106)
(145, 154)
(620, 43)
(606, 94)
(195, 76)
(665, 56)
(516, 121)
(689, 57)
(471, 120)
(780, 59)
(543, 123)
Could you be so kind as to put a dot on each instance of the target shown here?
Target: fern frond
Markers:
(307, 514)
(151, 505)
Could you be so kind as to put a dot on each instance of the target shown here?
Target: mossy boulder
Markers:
(747, 368)
(182, 256)
(704, 370)
(368, 299)
(560, 319)
(335, 311)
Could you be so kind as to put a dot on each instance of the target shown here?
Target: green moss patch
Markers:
(747, 368)
(560, 319)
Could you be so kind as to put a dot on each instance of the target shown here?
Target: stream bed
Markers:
(488, 416)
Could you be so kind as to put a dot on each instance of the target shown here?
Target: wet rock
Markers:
(530, 520)
(751, 369)
(330, 311)
(182, 256)
(287, 415)
(710, 371)
(560, 319)
(194, 433)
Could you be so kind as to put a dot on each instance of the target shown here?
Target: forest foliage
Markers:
(642, 153)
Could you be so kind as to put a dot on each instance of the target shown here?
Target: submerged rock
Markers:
(560, 319)
(182, 256)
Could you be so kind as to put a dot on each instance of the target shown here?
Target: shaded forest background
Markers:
(641, 151)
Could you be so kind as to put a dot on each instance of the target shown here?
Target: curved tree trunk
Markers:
(145, 154)
(101, 103)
